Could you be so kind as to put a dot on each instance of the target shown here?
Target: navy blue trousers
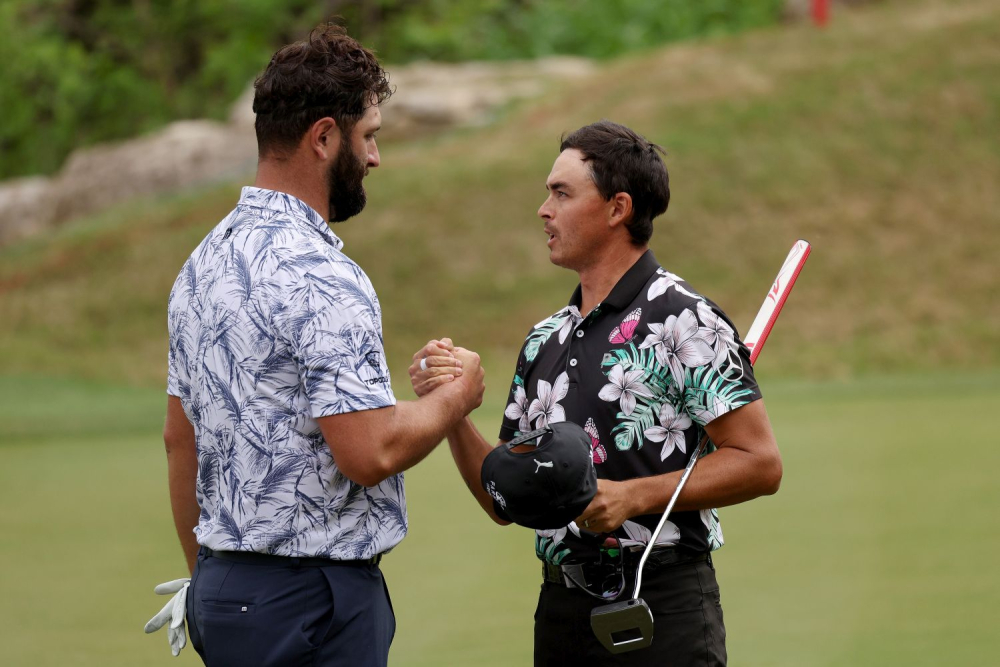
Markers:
(244, 615)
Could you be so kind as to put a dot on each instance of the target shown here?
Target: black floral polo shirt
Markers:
(642, 373)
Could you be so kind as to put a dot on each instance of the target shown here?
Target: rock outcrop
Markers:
(429, 97)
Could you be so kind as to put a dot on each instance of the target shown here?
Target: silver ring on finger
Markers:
(586, 523)
(423, 364)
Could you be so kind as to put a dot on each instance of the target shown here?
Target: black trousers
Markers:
(263, 615)
(688, 630)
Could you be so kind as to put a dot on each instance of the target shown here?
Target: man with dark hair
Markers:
(622, 161)
(285, 444)
(646, 366)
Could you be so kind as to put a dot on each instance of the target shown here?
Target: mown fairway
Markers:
(876, 551)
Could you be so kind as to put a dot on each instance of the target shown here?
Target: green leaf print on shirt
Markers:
(707, 393)
(550, 550)
(710, 518)
(710, 392)
(563, 322)
(540, 335)
(657, 380)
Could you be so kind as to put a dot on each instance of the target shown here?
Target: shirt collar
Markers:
(628, 286)
(282, 202)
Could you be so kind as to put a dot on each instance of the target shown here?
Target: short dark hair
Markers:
(622, 161)
(328, 75)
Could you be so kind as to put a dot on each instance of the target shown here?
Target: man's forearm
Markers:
(725, 477)
(418, 427)
(371, 445)
(182, 474)
(469, 448)
(746, 465)
(182, 471)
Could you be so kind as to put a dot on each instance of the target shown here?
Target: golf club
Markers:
(628, 625)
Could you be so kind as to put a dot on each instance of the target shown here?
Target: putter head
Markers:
(623, 626)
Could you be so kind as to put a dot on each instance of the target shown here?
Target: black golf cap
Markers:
(547, 486)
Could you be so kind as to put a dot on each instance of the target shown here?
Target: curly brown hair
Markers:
(328, 75)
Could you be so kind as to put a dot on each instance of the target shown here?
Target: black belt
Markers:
(254, 558)
(661, 557)
(666, 556)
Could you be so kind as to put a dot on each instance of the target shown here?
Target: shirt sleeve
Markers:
(177, 321)
(515, 415)
(335, 333)
(718, 375)
(173, 378)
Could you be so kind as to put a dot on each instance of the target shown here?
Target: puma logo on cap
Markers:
(540, 464)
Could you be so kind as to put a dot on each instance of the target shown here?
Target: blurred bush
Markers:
(506, 29)
(78, 72)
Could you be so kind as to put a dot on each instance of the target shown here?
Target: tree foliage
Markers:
(79, 72)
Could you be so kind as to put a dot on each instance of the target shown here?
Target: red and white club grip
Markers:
(776, 297)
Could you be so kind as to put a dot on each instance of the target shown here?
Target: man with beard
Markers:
(285, 444)
(647, 367)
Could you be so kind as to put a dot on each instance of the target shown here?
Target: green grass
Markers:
(875, 139)
(878, 550)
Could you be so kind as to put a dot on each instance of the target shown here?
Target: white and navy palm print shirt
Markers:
(272, 326)
(642, 373)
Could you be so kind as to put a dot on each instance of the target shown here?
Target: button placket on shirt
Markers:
(578, 332)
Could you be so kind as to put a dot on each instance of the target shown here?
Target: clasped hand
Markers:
(440, 362)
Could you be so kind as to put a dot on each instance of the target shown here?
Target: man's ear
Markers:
(323, 138)
(620, 209)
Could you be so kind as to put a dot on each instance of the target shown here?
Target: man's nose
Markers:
(543, 211)
(374, 159)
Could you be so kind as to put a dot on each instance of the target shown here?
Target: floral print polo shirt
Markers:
(272, 326)
(642, 373)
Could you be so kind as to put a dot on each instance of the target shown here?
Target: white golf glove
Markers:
(173, 612)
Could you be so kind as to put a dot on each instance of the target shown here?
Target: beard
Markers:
(347, 193)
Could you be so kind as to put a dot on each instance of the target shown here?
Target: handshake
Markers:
(440, 366)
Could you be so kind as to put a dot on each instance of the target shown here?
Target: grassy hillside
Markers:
(875, 139)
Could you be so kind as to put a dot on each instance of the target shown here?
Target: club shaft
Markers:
(756, 336)
(670, 506)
